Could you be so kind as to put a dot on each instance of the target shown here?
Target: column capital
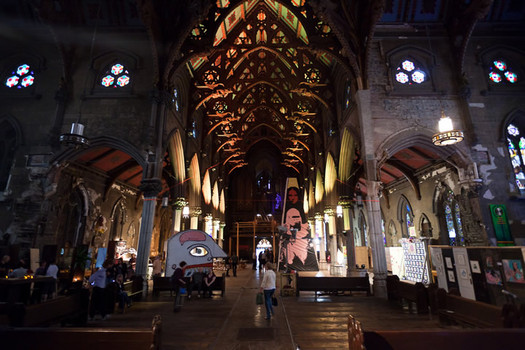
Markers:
(195, 211)
(346, 202)
(329, 210)
(150, 187)
(180, 203)
(374, 188)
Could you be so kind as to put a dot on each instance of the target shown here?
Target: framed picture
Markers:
(461, 260)
(513, 271)
(463, 274)
(474, 266)
(448, 262)
(451, 276)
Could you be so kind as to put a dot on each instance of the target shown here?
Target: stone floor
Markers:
(236, 322)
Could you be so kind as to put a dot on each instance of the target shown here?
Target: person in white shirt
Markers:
(98, 295)
(268, 287)
(52, 271)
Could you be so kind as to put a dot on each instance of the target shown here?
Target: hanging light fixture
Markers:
(446, 135)
(76, 137)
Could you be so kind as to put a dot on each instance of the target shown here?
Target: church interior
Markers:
(125, 122)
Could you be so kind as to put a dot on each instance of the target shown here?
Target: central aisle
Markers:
(236, 322)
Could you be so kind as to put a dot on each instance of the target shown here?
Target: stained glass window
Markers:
(453, 220)
(20, 78)
(516, 147)
(406, 218)
(175, 99)
(501, 72)
(117, 76)
(408, 73)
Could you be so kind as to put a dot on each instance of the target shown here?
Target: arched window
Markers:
(347, 95)
(406, 218)
(410, 72)
(516, 146)
(453, 219)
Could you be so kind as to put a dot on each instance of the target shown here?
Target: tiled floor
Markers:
(236, 322)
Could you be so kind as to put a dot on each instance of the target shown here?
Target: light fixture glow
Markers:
(446, 135)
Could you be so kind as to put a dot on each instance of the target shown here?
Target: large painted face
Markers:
(194, 247)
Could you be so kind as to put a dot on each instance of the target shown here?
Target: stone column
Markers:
(150, 188)
(222, 225)
(216, 227)
(350, 243)
(208, 225)
(330, 215)
(179, 204)
(376, 238)
(319, 222)
(363, 100)
(195, 212)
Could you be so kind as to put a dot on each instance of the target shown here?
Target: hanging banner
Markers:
(501, 225)
(295, 243)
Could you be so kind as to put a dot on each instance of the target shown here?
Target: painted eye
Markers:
(199, 251)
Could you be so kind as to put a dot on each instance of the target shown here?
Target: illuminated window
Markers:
(406, 218)
(408, 73)
(20, 78)
(116, 77)
(175, 99)
(500, 72)
(516, 147)
(453, 220)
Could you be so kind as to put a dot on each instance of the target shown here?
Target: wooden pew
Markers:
(134, 287)
(412, 292)
(83, 338)
(333, 284)
(434, 339)
(69, 309)
(453, 309)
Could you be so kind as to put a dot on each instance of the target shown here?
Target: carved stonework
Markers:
(150, 187)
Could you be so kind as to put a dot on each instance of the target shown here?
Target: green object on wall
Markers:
(501, 225)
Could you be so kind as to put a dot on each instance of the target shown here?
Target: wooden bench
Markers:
(83, 338)
(434, 339)
(69, 309)
(453, 309)
(414, 293)
(163, 284)
(134, 287)
(333, 284)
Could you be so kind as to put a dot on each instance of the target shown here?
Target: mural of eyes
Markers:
(198, 251)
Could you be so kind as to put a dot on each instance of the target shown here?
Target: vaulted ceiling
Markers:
(262, 81)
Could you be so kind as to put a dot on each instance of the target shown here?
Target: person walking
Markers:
(268, 287)
(98, 282)
(235, 262)
(177, 282)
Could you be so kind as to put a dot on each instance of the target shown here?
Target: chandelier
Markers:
(446, 135)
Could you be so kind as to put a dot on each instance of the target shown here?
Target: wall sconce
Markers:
(339, 211)
(446, 135)
(186, 212)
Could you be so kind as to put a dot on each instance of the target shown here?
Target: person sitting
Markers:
(20, 270)
(209, 280)
(122, 296)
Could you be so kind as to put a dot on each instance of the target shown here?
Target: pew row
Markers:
(434, 339)
(83, 338)
(333, 284)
